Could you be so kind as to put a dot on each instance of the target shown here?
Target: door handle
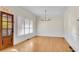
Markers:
(2, 42)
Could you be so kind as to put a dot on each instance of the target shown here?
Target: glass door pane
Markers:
(9, 25)
(9, 32)
(4, 32)
(4, 25)
(9, 18)
(4, 17)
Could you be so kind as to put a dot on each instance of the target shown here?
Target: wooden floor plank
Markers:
(42, 44)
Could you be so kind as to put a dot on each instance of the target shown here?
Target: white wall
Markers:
(18, 11)
(54, 27)
(71, 27)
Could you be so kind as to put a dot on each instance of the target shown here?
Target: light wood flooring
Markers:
(41, 44)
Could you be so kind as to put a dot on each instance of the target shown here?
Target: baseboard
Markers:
(25, 40)
(38, 36)
(21, 41)
(72, 49)
(50, 35)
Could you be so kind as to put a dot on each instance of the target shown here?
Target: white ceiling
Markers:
(51, 10)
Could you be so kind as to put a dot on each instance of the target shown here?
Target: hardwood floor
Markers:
(41, 44)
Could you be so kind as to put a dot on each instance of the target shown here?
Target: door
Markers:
(0, 32)
(7, 30)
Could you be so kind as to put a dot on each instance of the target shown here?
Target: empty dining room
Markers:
(39, 29)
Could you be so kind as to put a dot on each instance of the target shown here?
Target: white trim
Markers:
(51, 35)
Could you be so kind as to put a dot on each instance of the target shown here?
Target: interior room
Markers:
(39, 29)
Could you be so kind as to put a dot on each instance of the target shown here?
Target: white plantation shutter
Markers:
(31, 26)
(26, 29)
(24, 26)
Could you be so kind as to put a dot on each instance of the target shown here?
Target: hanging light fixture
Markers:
(45, 16)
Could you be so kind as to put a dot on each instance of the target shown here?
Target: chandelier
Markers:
(45, 16)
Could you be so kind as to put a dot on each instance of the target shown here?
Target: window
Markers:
(20, 26)
(25, 26)
(31, 26)
(28, 26)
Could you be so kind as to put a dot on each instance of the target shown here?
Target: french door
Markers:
(6, 29)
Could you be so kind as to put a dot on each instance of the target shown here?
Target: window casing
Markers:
(24, 27)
